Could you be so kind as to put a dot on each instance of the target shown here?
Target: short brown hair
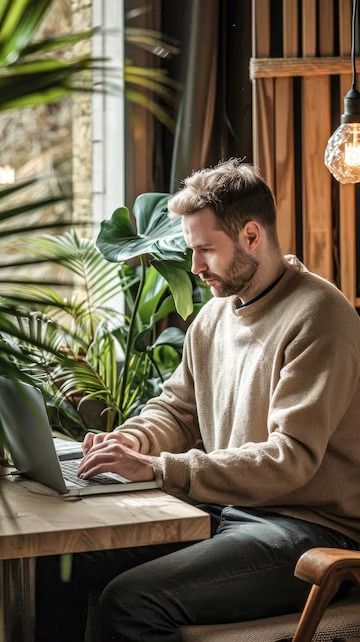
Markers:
(234, 191)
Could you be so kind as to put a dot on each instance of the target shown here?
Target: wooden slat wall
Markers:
(263, 96)
(316, 187)
(284, 136)
(275, 138)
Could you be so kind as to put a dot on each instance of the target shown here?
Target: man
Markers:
(259, 425)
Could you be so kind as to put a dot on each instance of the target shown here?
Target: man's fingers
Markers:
(91, 439)
(95, 465)
(94, 439)
(105, 444)
(88, 442)
(111, 456)
(110, 452)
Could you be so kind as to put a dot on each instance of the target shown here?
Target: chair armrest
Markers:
(317, 564)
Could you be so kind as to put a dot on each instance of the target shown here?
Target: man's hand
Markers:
(112, 455)
(91, 439)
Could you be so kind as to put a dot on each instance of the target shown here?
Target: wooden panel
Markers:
(316, 123)
(290, 28)
(37, 521)
(263, 97)
(284, 137)
(309, 66)
(326, 31)
(346, 192)
(308, 27)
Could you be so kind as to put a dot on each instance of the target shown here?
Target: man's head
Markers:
(229, 222)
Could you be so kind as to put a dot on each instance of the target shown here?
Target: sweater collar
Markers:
(262, 300)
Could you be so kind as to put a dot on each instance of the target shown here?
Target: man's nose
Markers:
(198, 264)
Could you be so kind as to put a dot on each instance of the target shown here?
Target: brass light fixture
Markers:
(342, 153)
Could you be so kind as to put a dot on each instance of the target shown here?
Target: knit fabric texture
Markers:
(264, 410)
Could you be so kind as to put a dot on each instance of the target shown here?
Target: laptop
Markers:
(28, 436)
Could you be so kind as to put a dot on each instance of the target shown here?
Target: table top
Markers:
(34, 520)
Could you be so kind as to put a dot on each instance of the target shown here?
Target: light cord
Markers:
(353, 39)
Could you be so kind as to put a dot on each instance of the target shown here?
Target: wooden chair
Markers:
(326, 569)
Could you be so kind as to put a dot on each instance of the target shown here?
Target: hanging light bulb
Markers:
(342, 153)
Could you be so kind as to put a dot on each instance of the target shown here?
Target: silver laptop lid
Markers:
(27, 433)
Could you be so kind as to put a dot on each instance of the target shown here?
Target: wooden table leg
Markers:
(17, 600)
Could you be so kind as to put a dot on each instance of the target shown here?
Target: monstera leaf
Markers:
(155, 232)
(155, 235)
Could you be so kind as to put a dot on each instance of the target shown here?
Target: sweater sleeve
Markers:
(316, 385)
(169, 422)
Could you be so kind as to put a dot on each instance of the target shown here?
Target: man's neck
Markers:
(268, 272)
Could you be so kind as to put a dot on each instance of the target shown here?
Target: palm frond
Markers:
(153, 41)
(81, 258)
(161, 114)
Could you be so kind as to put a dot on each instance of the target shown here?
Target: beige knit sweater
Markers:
(264, 410)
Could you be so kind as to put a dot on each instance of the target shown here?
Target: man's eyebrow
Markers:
(199, 246)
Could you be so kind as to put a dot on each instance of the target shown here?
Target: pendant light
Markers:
(342, 153)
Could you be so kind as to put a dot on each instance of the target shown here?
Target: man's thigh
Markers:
(245, 571)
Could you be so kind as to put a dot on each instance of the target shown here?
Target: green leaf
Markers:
(11, 189)
(31, 206)
(153, 41)
(53, 44)
(117, 229)
(154, 224)
(153, 73)
(156, 233)
(142, 340)
(154, 86)
(18, 25)
(154, 288)
(173, 337)
(143, 100)
(38, 98)
(180, 286)
(167, 307)
(66, 567)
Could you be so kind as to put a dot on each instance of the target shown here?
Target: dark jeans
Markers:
(245, 571)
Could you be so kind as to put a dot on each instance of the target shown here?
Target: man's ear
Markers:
(249, 235)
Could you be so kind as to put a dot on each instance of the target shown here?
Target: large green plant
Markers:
(164, 283)
(37, 72)
(119, 359)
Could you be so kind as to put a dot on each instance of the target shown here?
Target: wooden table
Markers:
(35, 521)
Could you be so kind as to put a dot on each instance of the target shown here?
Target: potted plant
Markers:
(117, 359)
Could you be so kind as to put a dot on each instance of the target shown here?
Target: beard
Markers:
(238, 276)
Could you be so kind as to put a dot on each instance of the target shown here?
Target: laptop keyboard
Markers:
(69, 471)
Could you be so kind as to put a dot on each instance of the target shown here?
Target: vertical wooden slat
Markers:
(284, 135)
(316, 123)
(346, 192)
(326, 32)
(263, 96)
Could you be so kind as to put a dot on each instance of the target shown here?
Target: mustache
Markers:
(207, 276)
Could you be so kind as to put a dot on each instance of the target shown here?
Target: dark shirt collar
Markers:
(239, 304)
